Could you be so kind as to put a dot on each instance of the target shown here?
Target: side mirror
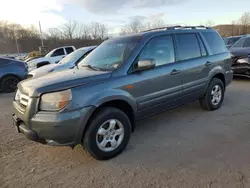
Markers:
(144, 65)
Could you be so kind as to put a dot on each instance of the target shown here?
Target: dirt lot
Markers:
(184, 147)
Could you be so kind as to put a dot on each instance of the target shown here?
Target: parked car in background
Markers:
(240, 52)
(11, 72)
(52, 57)
(68, 62)
(123, 80)
(229, 41)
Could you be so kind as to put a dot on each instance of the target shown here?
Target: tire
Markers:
(104, 118)
(9, 83)
(208, 101)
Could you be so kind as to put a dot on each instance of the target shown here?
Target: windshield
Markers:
(239, 43)
(110, 54)
(73, 57)
(231, 41)
(50, 53)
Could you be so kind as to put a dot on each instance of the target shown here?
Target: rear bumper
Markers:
(57, 129)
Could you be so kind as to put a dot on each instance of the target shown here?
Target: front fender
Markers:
(111, 95)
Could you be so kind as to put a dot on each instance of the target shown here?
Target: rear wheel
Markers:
(9, 83)
(108, 133)
(214, 96)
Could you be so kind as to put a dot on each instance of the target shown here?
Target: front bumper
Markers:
(53, 128)
(241, 69)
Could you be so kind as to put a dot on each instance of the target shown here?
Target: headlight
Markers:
(244, 60)
(55, 101)
(17, 95)
(32, 65)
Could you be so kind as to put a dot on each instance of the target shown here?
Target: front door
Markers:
(57, 55)
(160, 88)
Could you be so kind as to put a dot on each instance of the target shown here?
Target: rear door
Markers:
(161, 87)
(193, 55)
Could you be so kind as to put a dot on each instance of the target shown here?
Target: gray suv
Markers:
(123, 80)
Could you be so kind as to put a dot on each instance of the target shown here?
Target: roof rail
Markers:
(178, 27)
(162, 28)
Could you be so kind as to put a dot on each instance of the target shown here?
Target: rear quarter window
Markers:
(215, 42)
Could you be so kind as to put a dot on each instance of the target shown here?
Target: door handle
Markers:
(208, 63)
(174, 72)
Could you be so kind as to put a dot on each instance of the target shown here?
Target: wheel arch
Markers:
(119, 103)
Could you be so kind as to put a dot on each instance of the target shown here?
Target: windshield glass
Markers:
(239, 43)
(50, 53)
(73, 57)
(110, 54)
(231, 41)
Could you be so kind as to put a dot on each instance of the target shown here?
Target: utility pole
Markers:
(41, 33)
(17, 46)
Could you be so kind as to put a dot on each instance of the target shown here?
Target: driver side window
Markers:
(160, 50)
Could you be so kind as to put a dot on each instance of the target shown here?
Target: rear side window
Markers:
(160, 49)
(246, 43)
(69, 50)
(187, 46)
(215, 42)
(58, 52)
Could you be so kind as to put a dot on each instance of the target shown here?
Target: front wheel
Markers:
(108, 133)
(214, 96)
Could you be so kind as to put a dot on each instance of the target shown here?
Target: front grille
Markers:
(24, 99)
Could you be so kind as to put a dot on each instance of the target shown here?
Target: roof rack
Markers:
(178, 27)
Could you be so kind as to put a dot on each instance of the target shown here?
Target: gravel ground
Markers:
(184, 147)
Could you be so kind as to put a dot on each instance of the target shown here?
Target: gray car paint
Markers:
(152, 90)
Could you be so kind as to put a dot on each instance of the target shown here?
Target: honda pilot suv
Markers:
(123, 80)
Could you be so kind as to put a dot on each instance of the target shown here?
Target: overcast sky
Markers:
(116, 13)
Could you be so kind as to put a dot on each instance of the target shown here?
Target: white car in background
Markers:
(52, 57)
(68, 62)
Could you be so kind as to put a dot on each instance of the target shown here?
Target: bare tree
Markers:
(98, 31)
(134, 26)
(232, 28)
(245, 22)
(83, 31)
(55, 33)
(209, 23)
(69, 29)
(153, 24)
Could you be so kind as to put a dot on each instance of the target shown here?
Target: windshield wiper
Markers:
(93, 67)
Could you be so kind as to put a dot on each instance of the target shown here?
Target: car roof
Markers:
(168, 30)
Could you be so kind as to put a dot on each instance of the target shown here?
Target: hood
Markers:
(61, 80)
(43, 70)
(239, 52)
(38, 60)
